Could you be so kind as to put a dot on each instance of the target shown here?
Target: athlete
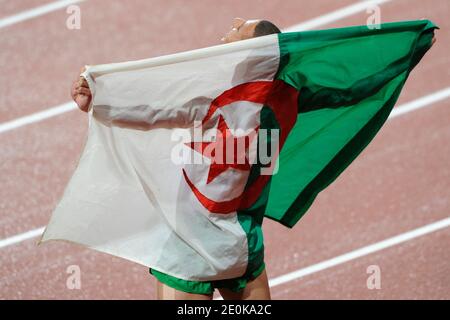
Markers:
(254, 284)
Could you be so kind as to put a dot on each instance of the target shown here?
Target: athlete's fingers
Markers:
(73, 89)
(83, 102)
(81, 80)
(83, 83)
(84, 91)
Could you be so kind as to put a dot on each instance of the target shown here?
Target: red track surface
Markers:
(399, 183)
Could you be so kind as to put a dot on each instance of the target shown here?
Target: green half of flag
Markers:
(348, 81)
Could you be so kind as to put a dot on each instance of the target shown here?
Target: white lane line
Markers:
(319, 21)
(438, 225)
(21, 237)
(37, 117)
(421, 102)
(335, 15)
(36, 12)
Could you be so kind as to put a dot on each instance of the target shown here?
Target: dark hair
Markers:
(264, 27)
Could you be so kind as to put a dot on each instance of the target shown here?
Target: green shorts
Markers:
(207, 287)
(251, 222)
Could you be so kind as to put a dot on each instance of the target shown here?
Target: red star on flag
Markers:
(227, 151)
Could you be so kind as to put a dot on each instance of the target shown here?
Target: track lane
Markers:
(422, 274)
(103, 276)
(42, 57)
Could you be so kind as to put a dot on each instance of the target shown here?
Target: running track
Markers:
(397, 190)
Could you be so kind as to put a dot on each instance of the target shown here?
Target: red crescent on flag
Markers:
(278, 96)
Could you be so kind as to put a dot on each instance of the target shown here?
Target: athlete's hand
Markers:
(81, 93)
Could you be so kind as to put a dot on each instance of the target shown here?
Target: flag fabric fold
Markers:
(322, 95)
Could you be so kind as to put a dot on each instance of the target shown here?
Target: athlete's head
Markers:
(245, 29)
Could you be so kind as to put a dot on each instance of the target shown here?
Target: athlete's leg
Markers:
(164, 292)
(256, 289)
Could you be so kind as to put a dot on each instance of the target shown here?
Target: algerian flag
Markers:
(321, 95)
